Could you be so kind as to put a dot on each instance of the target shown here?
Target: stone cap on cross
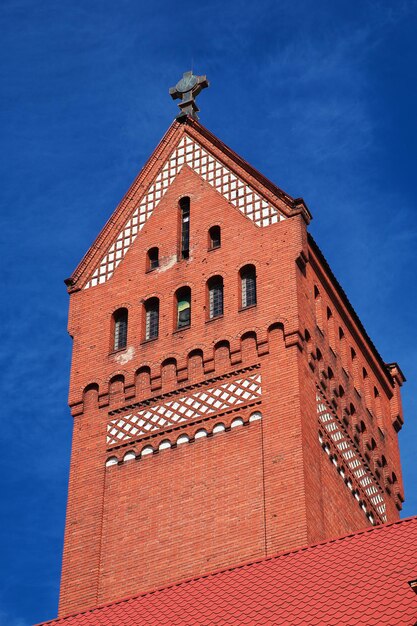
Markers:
(187, 89)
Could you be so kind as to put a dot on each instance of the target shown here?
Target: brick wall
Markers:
(135, 520)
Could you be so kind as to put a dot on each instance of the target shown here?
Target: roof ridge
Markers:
(241, 160)
(233, 568)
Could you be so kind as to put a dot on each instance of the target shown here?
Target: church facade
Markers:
(228, 404)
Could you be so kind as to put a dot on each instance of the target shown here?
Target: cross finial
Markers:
(187, 89)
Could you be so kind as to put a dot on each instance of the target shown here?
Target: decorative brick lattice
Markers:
(184, 409)
(351, 457)
(188, 152)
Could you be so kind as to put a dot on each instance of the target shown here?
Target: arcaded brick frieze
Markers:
(184, 409)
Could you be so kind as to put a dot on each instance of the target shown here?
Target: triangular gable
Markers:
(253, 203)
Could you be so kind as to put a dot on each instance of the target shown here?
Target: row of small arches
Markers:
(147, 450)
(351, 418)
(338, 342)
(188, 368)
(182, 307)
(329, 373)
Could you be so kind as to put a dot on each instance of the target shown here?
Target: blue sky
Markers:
(320, 96)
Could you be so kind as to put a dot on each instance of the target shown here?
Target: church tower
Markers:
(228, 403)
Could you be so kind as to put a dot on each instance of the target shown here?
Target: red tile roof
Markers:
(357, 580)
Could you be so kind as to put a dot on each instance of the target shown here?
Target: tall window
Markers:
(183, 304)
(185, 227)
(153, 259)
(151, 318)
(215, 294)
(248, 285)
(120, 329)
(214, 237)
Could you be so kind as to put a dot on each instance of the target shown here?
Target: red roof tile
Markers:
(360, 579)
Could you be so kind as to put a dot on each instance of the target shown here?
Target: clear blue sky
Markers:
(320, 96)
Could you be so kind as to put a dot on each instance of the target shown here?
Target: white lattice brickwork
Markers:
(184, 409)
(351, 457)
(188, 152)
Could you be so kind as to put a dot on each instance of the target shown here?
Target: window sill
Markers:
(152, 269)
(117, 350)
(213, 249)
(213, 319)
(179, 330)
(245, 308)
(145, 341)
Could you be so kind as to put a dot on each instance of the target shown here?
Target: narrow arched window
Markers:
(153, 259)
(248, 286)
(120, 329)
(214, 237)
(183, 307)
(185, 227)
(215, 296)
(151, 307)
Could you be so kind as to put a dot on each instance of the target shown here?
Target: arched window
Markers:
(185, 227)
(120, 329)
(248, 286)
(214, 237)
(151, 307)
(153, 259)
(183, 307)
(215, 296)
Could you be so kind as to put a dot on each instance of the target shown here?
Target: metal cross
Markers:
(187, 89)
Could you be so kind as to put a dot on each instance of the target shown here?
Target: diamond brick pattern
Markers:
(188, 152)
(184, 409)
(358, 580)
(351, 457)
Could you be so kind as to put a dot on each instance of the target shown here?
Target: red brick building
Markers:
(228, 404)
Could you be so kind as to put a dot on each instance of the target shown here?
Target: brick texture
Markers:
(145, 520)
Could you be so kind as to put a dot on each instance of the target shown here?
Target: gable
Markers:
(202, 162)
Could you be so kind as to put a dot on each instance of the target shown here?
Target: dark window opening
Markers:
(183, 307)
(215, 288)
(153, 259)
(185, 227)
(151, 318)
(248, 285)
(120, 329)
(214, 237)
